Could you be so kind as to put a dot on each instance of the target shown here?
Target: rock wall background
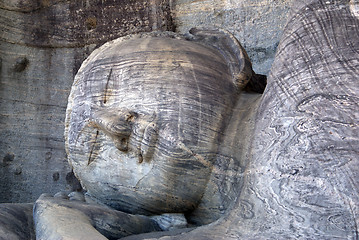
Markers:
(42, 45)
(257, 24)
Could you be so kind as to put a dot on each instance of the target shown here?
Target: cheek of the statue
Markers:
(171, 178)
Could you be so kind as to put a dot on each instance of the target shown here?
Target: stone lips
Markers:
(186, 86)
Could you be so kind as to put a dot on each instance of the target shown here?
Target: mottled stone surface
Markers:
(32, 111)
(64, 23)
(42, 45)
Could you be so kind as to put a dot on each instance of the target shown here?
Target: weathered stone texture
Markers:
(78, 23)
(298, 143)
(42, 44)
(32, 115)
(257, 24)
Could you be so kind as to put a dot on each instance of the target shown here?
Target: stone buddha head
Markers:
(146, 114)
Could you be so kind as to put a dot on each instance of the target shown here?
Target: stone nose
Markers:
(118, 125)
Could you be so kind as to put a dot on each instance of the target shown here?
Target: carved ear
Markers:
(237, 58)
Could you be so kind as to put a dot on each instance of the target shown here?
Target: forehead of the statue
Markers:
(158, 70)
(159, 56)
(162, 45)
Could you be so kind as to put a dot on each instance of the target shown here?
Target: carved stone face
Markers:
(144, 120)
